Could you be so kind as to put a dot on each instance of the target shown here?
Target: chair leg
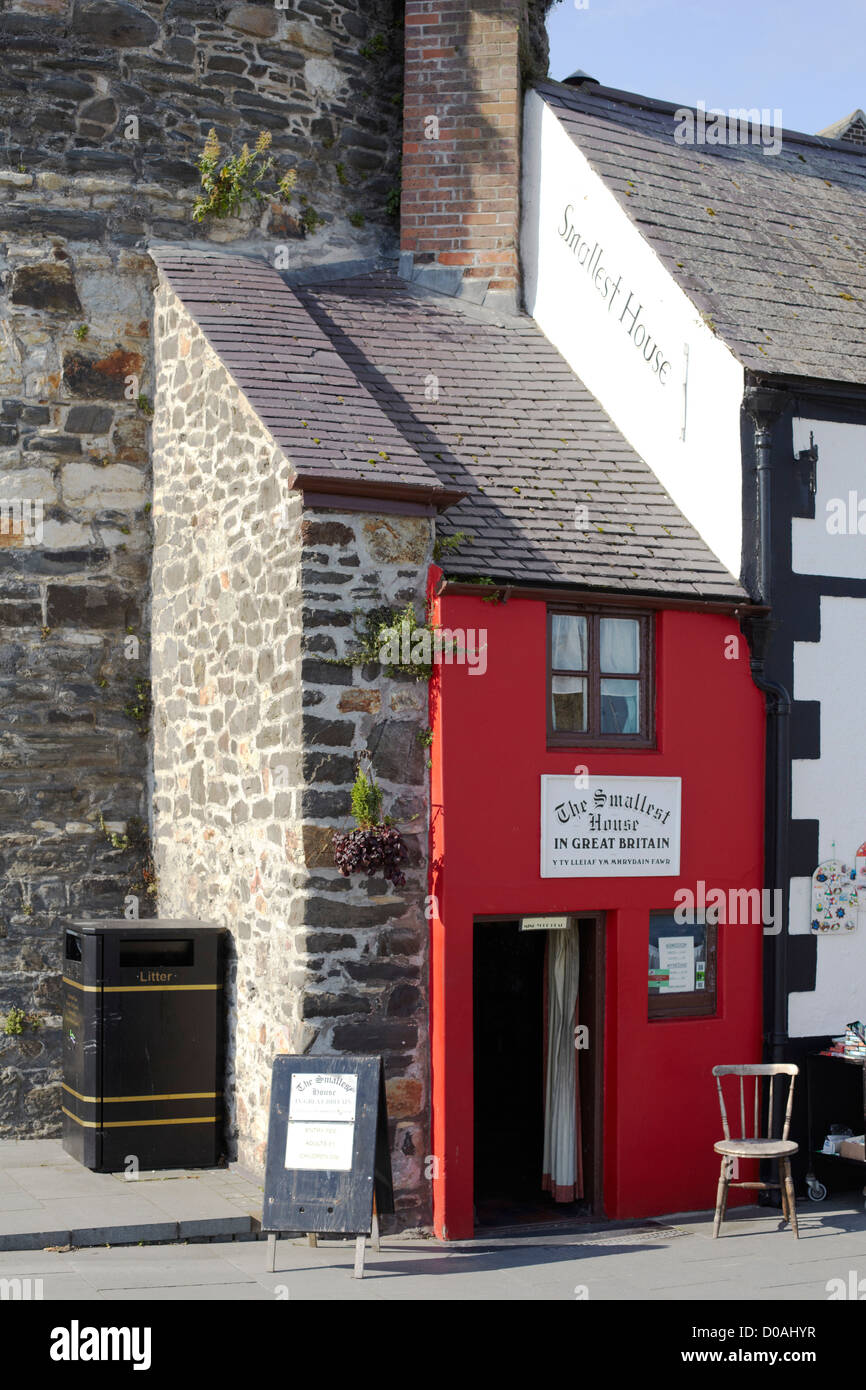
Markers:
(721, 1197)
(782, 1192)
(792, 1201)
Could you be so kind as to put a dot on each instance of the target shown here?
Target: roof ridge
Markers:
(645, 103)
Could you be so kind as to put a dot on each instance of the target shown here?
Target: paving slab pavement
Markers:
(675, 1259)
(47, 1198)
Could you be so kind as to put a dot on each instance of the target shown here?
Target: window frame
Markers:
(568, 738)
(694, 1003)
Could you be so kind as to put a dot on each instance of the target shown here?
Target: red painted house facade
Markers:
(657, 1109)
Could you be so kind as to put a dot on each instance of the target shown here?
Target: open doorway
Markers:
(510, 1047)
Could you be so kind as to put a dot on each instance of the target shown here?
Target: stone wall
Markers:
(79, 202)
(73, 622)
(366, 943)
(111, 90)
(256, 731)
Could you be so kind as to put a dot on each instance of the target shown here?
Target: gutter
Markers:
(502, 591)
(764, 407)
(340, 487)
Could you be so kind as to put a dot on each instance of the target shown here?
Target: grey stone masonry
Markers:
(74, 643)
(113, 100)
(258, 723)
(104, 109)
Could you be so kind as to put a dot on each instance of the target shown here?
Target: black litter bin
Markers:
(142, 1044)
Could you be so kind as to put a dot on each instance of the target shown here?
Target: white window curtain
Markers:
(562, 1175)
(620, 645)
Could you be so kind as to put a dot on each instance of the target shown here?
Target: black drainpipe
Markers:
(764, 407)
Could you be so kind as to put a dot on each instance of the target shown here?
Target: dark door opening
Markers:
(509, 1073)
(509, 1063)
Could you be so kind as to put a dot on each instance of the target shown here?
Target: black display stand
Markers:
(836, 1094)
(328, 1167)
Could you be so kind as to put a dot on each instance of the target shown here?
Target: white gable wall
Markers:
(592, 283)
(832, 789)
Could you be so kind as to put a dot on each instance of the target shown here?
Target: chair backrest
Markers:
(758, 1071)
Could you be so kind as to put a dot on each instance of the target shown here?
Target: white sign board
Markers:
(313, 1146)
(323, 1097)
(321, 1128)
(614, 827)
(677, 957)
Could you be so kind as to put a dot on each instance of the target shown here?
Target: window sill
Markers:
(578, 741)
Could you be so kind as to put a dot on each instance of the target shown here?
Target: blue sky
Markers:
(806, 57)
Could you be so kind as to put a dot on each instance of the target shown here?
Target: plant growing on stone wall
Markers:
(81, 332)
(17, 1022)
(310, 219)
(145, 883)
(139, 708)
(248, 177)
(392, 201)
(366, 800)
(375, 47)
(135, 839)
(144, 403)
(425, 738)
(375, 846)
(393, 639)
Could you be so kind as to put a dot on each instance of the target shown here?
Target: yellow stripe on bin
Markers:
(116, 1100)
(137, 1124)
(131, 989)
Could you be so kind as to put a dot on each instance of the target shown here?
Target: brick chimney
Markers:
(460, 207)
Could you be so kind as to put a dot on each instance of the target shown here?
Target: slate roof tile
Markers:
(291, 374)
(508, 426)
(512, 419)
(781, 263)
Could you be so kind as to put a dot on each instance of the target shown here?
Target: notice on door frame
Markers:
(544, 923)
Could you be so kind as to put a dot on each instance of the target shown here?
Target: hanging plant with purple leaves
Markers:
(375, 847)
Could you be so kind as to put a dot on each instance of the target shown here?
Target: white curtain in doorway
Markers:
(562, 1175)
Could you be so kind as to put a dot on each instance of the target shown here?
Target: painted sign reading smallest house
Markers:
(610, 827)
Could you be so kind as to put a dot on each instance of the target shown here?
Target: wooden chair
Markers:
(757, 1147)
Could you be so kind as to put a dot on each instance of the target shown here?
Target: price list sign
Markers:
(327, 1146)
(320, 1134)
